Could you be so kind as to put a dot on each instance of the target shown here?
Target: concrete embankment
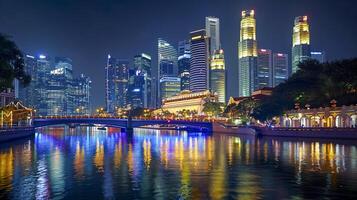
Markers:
(221, 128)
(332, 133)
(15, 133)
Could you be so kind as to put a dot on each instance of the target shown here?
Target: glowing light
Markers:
(41, 56)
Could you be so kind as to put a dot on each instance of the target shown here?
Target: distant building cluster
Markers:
(53, 89)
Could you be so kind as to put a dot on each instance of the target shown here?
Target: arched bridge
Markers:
(122, 123)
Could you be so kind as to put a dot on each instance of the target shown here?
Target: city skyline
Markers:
(91, 62)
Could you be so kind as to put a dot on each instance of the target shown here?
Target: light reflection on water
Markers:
(86, 163)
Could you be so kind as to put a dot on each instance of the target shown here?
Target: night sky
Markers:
(87, 31)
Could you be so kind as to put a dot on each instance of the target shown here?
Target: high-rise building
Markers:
(141, 82)
(247, 53)
(280, 68)
(169, 86)
(301, 42)
(117, 74)
(218, 75)
(28, 94)
(262, 76)
(212, 31)
(319, 56)
(42, 76)
(82, 98)
(167, 62)
(199, 62)
(184, 55)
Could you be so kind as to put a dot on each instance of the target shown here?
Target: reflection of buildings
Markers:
(345, 116)
(192, 101)
(301, 42)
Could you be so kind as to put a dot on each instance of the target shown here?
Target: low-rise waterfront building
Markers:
(186, 100)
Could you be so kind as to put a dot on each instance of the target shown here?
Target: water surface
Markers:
(86, 163)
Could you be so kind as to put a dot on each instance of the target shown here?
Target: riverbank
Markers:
(16, 133)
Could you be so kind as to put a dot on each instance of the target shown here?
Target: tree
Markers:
(11, 64)
(315, 84)
(212, 108)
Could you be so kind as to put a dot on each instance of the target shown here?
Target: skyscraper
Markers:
(247, 53)
(218, 75)
(212, 31)
(141, 82)
(319, 56)
(280, 68)
(117, 74)
(199, 71)
(42, 76)
(184, 55)
(82, 98)
(167, 62)
(169, 86)
(262, 76)
(28, 94)
(301, 42)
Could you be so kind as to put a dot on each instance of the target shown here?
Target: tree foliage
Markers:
(11, 64)
(315, 84)
(212, 108)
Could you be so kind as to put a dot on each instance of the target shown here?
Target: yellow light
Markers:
(196, 37)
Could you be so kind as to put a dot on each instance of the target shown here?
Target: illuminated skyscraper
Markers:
(280, 68)
(262, 76)
(141, 82)
(117, 74)
(199, 71)
(82, 98)
(301, 42)
(218, 75)
(212, 31)
(247, 53)
(319, 56)
(184, 55)
(167, 63)
(169, 86)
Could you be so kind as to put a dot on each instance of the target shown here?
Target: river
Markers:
(86, 163)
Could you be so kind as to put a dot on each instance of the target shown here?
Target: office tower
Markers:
(218, 75)
(116, 83)
(301, 42)
(212, 31)
(82, 98)
(319, 56)
(280, 68)
(169, 86)
(262, 76)
(28, 94)
(141, 81)
(41, 77)
(167, 63)
(184, 55)
(199, 71)
(247, 53)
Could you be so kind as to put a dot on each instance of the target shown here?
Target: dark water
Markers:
(90, 164)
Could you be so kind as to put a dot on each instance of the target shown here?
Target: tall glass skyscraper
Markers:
(184, 55)
(82, 98)
(42, 76)
(167, 64)
(301, 42)
(212, 31)
(116, 83)
(28, 94)
(262, 76)
(141, 82)
(247, 53)
(169, 86)
(218, 75)
(199, 71)
(280, 68)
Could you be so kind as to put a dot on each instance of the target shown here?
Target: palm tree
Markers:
(11, 64)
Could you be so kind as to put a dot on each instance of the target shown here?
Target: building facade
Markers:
(218, 75)
(247, 53)
(116, 83)
(183, 61)
(319, 56)
(264, 70)
(191, 101)
(280, 68)
(301, 42)
(167, 63)
(82, 98)
(199, 62)
(212, 31)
